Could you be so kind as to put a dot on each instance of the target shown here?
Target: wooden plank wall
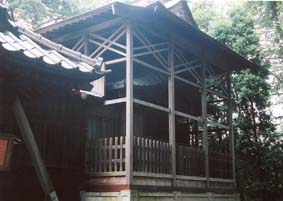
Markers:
(59, 130)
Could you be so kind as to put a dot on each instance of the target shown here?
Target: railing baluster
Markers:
(110, 154)
(139, 158)
(158, 157)
(95, 166)
(101, 155)
(142, 154)
(154, 156)
(149, 154)
(146, 156)
(168, 158)
(121, 154)
(163, 167)
(105, 154)
(116, 154)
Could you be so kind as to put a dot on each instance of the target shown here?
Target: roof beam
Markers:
(74, 19)
(94, 28)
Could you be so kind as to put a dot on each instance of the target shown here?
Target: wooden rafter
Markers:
(186, 63)
(186, 69)
(150, 52)
(219, 79)
(151, 66)
(93, 28)
(153, 33)
(144, 40)
(115, 61)
(187, 81)
(145, 47)
(79, 44)
(108, 43)
(177, 66)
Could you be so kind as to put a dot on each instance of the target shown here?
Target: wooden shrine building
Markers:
(41, 117)
(158, 126)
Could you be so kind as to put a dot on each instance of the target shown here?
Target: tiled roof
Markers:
(159, 18)
(14, 38)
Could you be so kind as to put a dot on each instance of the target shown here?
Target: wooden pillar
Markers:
(129, 103)
(231, 131)
(86, 44)
(32, 147)
(171, 105)
(204, 120)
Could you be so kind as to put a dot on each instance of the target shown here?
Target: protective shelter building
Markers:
(156, 118)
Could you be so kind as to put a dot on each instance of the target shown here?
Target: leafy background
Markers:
(254, 30)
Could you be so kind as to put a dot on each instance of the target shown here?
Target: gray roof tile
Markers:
(17, 39)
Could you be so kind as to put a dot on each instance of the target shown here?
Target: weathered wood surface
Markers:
(108, 155)
(58, 130)
(154, 157)
(129, 103)
(190, 161)
(32, 147)
(220, 165)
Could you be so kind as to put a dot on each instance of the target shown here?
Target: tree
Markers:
(268, 17)
(256, 141)
(204, 13)
(34, 13)
(258, 147)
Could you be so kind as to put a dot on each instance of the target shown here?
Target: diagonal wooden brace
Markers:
(33, 150)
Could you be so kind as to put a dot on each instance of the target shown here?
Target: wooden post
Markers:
(231, 131)
(171, 106)
(31, 145)
(204, 119)
(86, 44)
(129, 104)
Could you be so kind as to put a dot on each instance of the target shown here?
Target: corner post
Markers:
(204, 120)
(129, 103)
(231, 130)
(171, 104)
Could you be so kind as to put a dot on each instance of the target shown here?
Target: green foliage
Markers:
(237, 32)
(85, 5)
(36, 12)
(268, 16)
(256, 142)
(259, 150)
(204, 13)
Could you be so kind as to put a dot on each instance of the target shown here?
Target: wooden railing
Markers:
(220, 165)
(189, 161)
(152, 156)
(107, 155)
